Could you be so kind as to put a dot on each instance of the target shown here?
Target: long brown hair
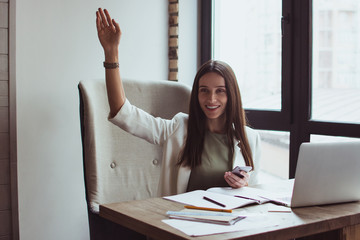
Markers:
(235, 118)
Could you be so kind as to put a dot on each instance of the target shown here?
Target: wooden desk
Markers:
(338, 221)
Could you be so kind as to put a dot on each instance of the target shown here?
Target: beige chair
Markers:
(118, 166)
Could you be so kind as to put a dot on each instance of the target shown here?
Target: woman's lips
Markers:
(212, 107)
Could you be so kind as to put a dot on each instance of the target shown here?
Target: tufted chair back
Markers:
(118, 166)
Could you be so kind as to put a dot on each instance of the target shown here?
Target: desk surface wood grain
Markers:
(144, 216)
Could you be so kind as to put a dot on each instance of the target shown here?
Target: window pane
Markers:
(323, 138)
(274, 155)
(336, 61)
(247, 35)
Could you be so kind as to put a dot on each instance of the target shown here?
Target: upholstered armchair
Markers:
(118, 166)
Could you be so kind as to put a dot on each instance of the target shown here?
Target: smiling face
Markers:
(212, 97)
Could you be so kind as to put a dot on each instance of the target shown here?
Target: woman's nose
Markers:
(212, 97)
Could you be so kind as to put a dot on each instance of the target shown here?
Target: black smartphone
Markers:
(237, 170)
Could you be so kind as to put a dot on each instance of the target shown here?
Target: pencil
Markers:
(208, 209)
(213, 201)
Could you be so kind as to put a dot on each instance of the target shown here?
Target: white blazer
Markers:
(171, 135)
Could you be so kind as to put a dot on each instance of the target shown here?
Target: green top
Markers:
(214, 164)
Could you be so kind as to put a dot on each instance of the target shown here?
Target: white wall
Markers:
(188, 41)
(56, 47)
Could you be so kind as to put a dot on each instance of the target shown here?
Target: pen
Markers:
(213, 201)
(256, 200)
(209, 209)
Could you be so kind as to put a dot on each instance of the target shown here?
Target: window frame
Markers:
(295, 115)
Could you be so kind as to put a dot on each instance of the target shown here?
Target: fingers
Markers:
(103, 20)
(236, 182)
(98, 21)
(100, 17)
(108, 18)
(117, 27)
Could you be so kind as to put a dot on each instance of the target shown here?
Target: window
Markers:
(297, 63)
(256, 37)
(336, 61)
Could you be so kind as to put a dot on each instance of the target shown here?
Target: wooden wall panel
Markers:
(4, 120)
(5, 197)
(5, 223)
(4, 171)
(4, 70)
(4, 45)
(4, 101)
(4, 146)
(6, 214)
(4, 15)
(4, 85)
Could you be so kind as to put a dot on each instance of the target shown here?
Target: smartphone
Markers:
(237, 170)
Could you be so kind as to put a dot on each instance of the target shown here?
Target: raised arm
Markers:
(109, 34)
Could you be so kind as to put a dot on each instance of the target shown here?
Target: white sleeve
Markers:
(139, 123)
(255, 145)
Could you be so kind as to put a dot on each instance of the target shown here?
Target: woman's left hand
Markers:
(235, 181)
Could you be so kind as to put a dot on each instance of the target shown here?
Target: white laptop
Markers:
(327, 173)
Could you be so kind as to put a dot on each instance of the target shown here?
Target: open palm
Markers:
(108, 31)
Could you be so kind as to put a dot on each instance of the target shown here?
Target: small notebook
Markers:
(205, 216)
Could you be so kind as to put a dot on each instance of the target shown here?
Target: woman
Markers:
(199, 149)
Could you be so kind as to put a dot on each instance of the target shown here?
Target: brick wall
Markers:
(173, 39)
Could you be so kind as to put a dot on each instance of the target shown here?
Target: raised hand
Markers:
(109, 35)
(109, 32)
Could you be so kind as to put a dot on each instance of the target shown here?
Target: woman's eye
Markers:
(221, 90)
(203, 90)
